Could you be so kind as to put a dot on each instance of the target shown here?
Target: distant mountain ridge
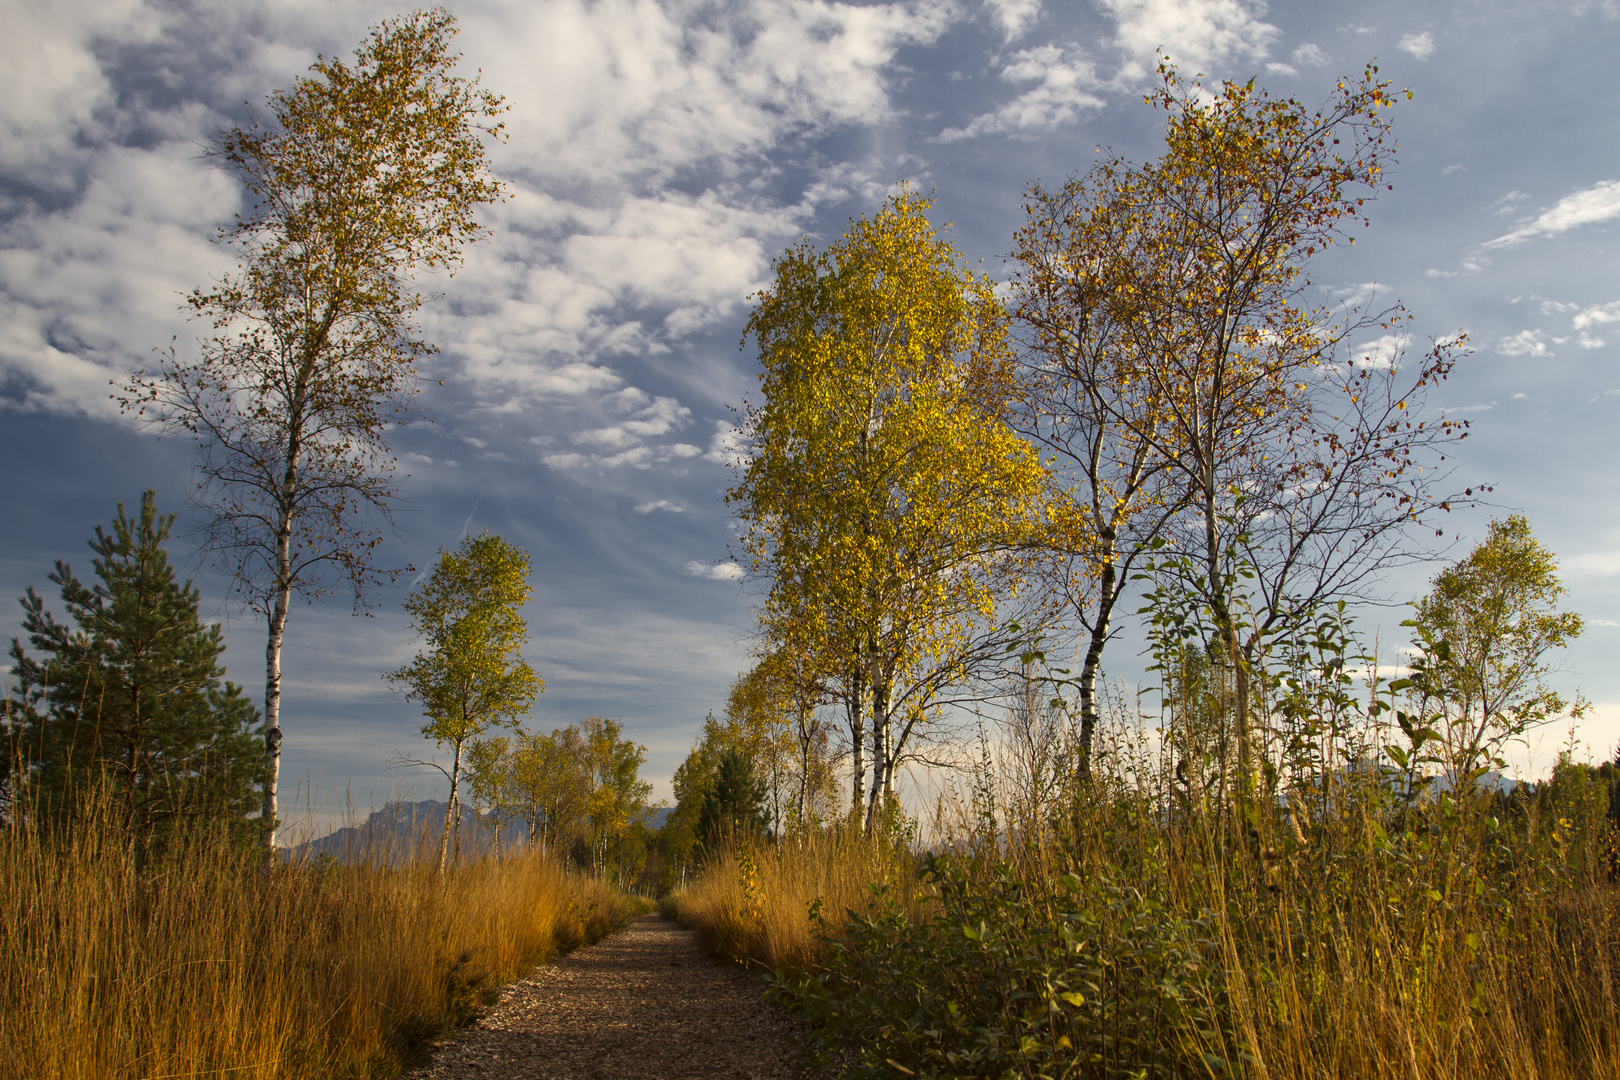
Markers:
(402, 831)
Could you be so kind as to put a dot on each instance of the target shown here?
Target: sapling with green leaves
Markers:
(1482, 637)
(472, 675)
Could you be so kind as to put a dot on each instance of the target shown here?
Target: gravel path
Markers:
(646, 1004)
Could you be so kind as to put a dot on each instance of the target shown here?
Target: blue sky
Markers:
(661, 154)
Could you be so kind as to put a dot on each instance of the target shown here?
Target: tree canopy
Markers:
(357, 178)
(472, 673)
(129, 693)
(886, 486)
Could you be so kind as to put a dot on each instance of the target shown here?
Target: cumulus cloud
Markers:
(1013, 16)
(659, 504)
(599, 255)
(1598, 315)
(1525, 343)
(1310, 55)
(726, 571)
(1198, 35)
(1065, 84)
(648, 418)
(1590, 319)
(1596, 204)
(727, 446)
(1420, 46)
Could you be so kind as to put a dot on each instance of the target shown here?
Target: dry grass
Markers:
(772, 904)
(195, 961)
(1466, 952)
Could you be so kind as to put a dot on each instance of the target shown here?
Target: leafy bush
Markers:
(1007, 979)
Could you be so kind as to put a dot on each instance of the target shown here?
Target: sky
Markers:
(660, 156)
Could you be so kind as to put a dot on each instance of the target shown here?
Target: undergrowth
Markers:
(118, 960)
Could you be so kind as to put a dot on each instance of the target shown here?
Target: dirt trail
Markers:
(645, 1004)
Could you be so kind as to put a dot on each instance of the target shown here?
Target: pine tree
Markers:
(130, 693)
(734, 807)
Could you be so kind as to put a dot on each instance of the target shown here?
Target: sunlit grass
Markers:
(196, 961)
(1461, 947)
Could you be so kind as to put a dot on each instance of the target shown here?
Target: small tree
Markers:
(616, 796)
(735, 805)
(1482, 635)
(472, 674)
(131, 692)
(357, 178)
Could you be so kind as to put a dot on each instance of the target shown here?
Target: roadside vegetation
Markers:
(1282, 855)
(133, 956)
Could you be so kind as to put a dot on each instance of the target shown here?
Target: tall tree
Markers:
(1482, 635)
(472, 673)
(616, 796)
(886, 486)
(130, 692)
(358, 177)
(1230, 422)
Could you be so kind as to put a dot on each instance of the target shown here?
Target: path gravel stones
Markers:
(644, 1004)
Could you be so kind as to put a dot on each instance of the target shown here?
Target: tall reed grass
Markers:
(1366, 939)
(123, 960)
(772, 904)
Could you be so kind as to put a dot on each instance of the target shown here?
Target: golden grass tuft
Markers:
(194, 960)
(772, 904)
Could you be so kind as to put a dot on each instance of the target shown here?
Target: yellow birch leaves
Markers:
(885, 485)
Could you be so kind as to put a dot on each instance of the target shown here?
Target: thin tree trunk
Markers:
(881, 765)
(1106, 598)
(283, 598)
(450, 815)
(272, 695)
(854, 706)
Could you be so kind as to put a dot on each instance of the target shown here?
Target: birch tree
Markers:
(886, 488)
(355, 179)
(1198, 395)
(1482, 635)
(472, 674)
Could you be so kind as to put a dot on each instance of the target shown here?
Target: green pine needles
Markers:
(129, 694)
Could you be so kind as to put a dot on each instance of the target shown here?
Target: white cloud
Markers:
(727, 446)
(1598, 315)
(726, 571)
(1524, 343)
(1598, 203)
(649, 417)
(1197, 35)
(1420, 46)
(1380, 354)
(1310, 55)
(1065, 81)
(659, 504)
(1592, 564)
(1014, 16)
(596, 256)
(1508, 203)
(1282, 69)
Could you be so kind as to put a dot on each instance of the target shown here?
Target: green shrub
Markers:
(1009, 979)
